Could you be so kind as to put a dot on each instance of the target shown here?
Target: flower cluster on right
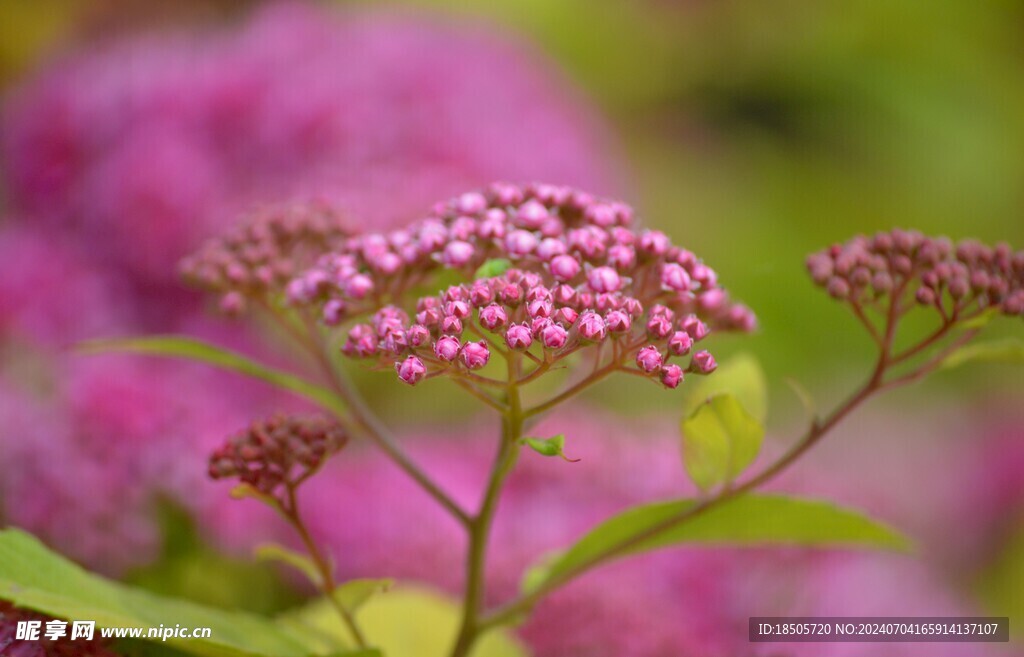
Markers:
(954, 279)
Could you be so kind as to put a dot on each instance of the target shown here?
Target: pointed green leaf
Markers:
(1009, 350)
(407, 621)
(354, 593)
(177, 346)
(746, 520)
(34, 577)
(982, 320)
(553, 446)
(297, 560)
(720, 439)
(741, 376)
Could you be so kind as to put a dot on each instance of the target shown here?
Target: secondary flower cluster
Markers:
(953, 279)
(256, 260)
(282, 451)
(581, 276)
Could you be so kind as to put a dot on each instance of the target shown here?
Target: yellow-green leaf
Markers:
(34, 577)
(720, 439)
(1009, 350)
(741, 376)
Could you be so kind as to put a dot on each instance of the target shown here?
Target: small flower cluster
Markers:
(43, 646)
(954, 279)
(256, 260)
(282, 451)
(581, 277)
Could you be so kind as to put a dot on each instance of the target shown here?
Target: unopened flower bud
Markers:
(649, 359)
(411, 370)
(703, 363)
(591, 326)
(553, 336)
(493, 317)
(518, 337)
(618, 321)
(675, 278)
(475, 355)
(697, 329)
(564, 267)
(671, 376)
(604, 279)
(447, 348)
(680, 343)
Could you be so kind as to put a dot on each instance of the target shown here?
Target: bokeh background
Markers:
(752, 133)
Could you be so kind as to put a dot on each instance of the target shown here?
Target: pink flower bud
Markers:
(649, 359)
(457, 254)
(540, 308)
(697, 329)
(447, 348)
(531, 215)
(680, 343)
(633, 307)
(417, 336)
(622, 257)
(458, 308)
(451, 325)
(838, 288)
(659, 326)
(564, 267)
(361, 343)
(520, 243)
(600, 214)
(471, 203)
(493, 225)
(475, 355)
(550, 247)
(358, 286)
(618, 321)
(564, 295)
(674, 277)
(671, 376)
(511, 294)
(334, 312)
(481, 294)
(493, 317)
(654, 242)
(566, 316)
(592, 327)
(925, 296)
(703, 363)
(659, 310)
(518, 337)
(537, 325)
(431, 317)
(411, 370)
(553, 336)
(604, 279)
(712, 300)
(232, 303)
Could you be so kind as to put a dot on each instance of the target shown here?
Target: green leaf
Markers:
(720, 439)
(354, 593)
(1009, 350)
(407, 621)
(297, 560)
(177, 346)
(34, 577)
(553, 446)
(740, 376)
(746, 520)
(493, 267)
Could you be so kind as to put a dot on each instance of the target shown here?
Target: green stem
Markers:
(328, 585)
(480, 525)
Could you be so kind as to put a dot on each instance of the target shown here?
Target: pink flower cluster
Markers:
(582, 275)
(280, 452)
(256, 260)
(11, 646)
(953, 279)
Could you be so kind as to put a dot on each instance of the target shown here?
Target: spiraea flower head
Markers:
(277, 454)
(576, 273)
(957, 281)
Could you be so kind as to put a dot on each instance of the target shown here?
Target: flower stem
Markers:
(479, 527)
(327, 581)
